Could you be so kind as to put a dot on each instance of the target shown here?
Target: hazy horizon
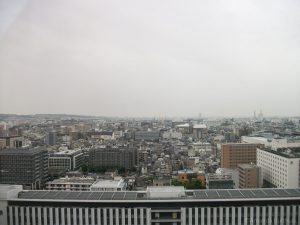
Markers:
(150, 59)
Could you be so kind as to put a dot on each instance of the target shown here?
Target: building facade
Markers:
(110, 157)
(249, 176)
(68, 160)
(11, 142)
(280, 168)
(28, 167)
(219, 181)
(51, 138)
(233, 154)
(71, 184)
(146, 135)
(151, 207)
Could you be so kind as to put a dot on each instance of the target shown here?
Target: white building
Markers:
(172, 135)
(70, 184)
(109, 185)
(280, 168)
(272, 142)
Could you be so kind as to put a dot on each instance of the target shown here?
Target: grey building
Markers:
(63, 161)
(112, 157)
(146, 135)
(156, 206)
(27, 167)
(51, 138)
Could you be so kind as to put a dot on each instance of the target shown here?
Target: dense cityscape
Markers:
(62, 157)
(149, 112)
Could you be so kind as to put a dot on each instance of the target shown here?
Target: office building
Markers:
(249, 176)
(280, 168)
(51, 138)
(66, 160)
(233, 154)
(162, 206)
(112, 157)
(27, 167)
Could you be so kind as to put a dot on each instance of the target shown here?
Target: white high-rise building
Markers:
(281, 167)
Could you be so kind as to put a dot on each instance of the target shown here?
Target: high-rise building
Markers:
(280, 168)
(112, 157)
(51, 138)
(27, 167)
(233, 154)
(249, 176)
(156, 206)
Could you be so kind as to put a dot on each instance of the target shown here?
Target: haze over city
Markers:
(154, 58)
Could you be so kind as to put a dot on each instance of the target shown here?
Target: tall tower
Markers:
(51, 138)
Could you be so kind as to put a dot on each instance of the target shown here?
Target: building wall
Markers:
(278, 170)
(238, 153)
(26, 168)
(249, 177)
(243, 215)
(147, 135)
(110, 157)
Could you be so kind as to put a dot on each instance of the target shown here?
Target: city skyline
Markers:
(150, 59)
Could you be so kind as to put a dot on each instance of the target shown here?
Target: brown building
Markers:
(233, 154)
(249, 176)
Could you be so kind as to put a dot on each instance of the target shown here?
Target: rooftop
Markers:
(247, 165)
(196, 195)
(72, 180)
(200, 126)
(108, 183)
(214, 176)
(284, 152)
(21, 151)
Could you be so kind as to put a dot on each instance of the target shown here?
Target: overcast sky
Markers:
(150, 58)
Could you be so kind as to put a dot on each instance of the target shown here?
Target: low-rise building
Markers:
(109, 185)
(219, 181)
(71, 184)
(146, 135)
